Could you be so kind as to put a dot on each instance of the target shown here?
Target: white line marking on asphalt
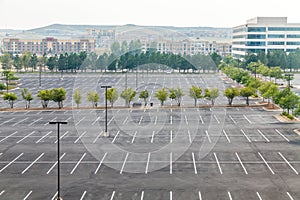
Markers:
(282, 135)
(115, 137)
(244, 168)
(190, 138)
(2, 192)
(61, 137)
(11, 162)
(80, 121)
(43, 137)
(171, 136)
(54, 196)
(171, 119)
(51, 168)
(95, 120)
(200, 195)
(108, 123)
(266, 163)
(171, 167)
(29, 193)
(171, 195)
(20, 121)
(201, 119)
(194, 162)
(186, 120)
(124, 163)
(77, 163)
(25, 137)
(100, 163)
(98, 136)
(148, 160)
(7, 121)
(226, 136)
(263, 135)
(35, 121)
(133, 137)
(289, 164)
(50, 121)
(8, 136)
(232, 119)
(245, 135)
(142, 195)
(216, 119)
(229, 195)
(32, 163)
(155, 121)
(79, 137)
(83, 195)
(290, 196)
(207, 135)
(220, 169)
(247, 119)
(141, 119)
(152, 137)
(125, 120)
(259, 196)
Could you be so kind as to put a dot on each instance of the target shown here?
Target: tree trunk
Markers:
(195, 102)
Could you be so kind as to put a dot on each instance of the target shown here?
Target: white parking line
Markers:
(77, 123)
(142, 195)
(11, 162)
(171, 119)
(245, 135)
(83, 195)
(244, 168)
(289, 164)
(112, 195)
(171, 195)
(247, 119)
(115, 137)
(121, 171)
(51, 168)
(108, 123)
(290, 196)
(32, 163)
(171, 136)
(200, 195)
(133, 137)
(152, 137)
(2, 192)
(263, 135)
(171, 167)
(226, 136)
(54, 196)
(220, 169)
(7, 121)
(20, 121)
(80, 137)
(35, 121)
(207, 135)
(232, 119)
(94, 122)
(98, 136)
(100, 163)
(125, 120)
(141, 119)
(190, 138)
(61, 137)
(201, 119)
(43, 137)
(50, 121)
(155, 121)
(216, 119)
(8, 136)
(186, 120)
(77, 163)
(25, 137)
(259, 197)
(229, 195)
(194, 162)
(29, 193)
(266, 163)
(282, 135)
(148, 160)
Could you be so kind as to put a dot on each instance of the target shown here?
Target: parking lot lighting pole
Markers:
(106, 134)
(289, 75)
(40, 76)
(58, 157)
(136, 78)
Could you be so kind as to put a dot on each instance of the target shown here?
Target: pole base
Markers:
(106, 134)
(59, 198)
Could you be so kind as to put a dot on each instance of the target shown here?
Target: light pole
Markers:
(289, 77)
(136, 78)
(125, 71)
(58, 157)
(106, 134)
(40, 76)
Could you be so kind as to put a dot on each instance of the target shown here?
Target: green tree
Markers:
(230, 93)
(212, 94)
(77, 97)
(276, 72)
(45, 96)
(112, 96)
(6, 61)
(93, 97)
(33, 62)
(52, 63)
(10, 97)
(17, 63)
(58, 95)
(2, 87)
(162, 95)
(195, 93)
(289, 102)
(144, 95)
(128, 95)
(247, 92)
(27, 96)
(176, 94)
(264, 88)
(271, 93)
(115, 48)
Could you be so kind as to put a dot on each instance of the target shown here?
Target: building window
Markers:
(275, 36)
(293, 43)
(256, 36)
(284, 28)
(256, 29)
(256, 43)
(275, 43)
(293, 36)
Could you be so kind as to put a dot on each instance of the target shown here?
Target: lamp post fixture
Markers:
(106, 134)
(58, 157)
(125, 71)
(40, 75)
(289, 75)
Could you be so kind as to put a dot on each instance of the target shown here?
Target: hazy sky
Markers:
(26, 14)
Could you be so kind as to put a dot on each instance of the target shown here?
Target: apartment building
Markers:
(47, 45)
(265, 34)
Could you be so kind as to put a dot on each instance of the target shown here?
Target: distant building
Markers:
(103, 38)
(189, 47)
(264, 34)
(47, 45)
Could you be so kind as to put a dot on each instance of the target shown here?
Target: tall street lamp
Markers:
(289, 78)
(125, 71)
(58, 157)
(106, 134)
